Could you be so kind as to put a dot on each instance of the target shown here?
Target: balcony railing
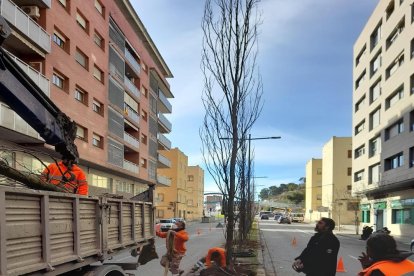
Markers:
(163, 180)
(131, 113)
(36, 76)
(164, 121)
(131, 140)
(164, 141)
(130, 58)
(165, 162)
(165, 103)
(15, 16)
(132, 167)
(131, 87)
(9, 119)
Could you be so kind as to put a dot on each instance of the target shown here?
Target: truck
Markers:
(47, 232)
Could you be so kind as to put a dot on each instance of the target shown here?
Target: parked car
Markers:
(412, 245)
(277, 217)
(179, 219)
(264, 216)
(297, 217)
(166, 224)
(284, 219)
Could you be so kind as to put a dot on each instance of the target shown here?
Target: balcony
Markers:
(40, 3)
(163, 162)
(26, 25)
(163, 142)
(9, 119)
(132, 61)
(131, 113)
(164, 105)
(164, 126)
(163, 181)
(132, 167)
(36, 76)
(131, 140)
(132, 88)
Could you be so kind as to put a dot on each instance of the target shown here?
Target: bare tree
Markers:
(232, 93)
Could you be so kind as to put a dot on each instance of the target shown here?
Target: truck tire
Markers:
(106, 270)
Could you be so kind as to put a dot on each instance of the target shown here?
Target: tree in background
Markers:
(231, 96)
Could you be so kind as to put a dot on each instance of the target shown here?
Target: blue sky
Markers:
(305, 59)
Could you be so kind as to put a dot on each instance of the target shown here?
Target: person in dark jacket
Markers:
(319, 258)
(382, 257)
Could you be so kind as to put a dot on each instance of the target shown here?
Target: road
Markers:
(280, 248)
(202, 237)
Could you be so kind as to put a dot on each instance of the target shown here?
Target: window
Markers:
(98, 39)
(59, 80)
(97, 107)
(349, 173)
(397, 63)
(97, 140)
(359, 104)
(145, 91)
(100, 181)
(412, 48)
(160, 197)
(82, 22)
(390, 9)
(98, 73)
(374, 146)
(374, 174)
(358, 176)
(60, 40)
(124, 187)
(376, 36)
(318, 171)
(99, 7)
(412, 84)
(144, 139)
(394, 161)
(359, 151)
(375, 63)
(144, 67)
(394, 97)
(395, 33)
(394, 130)
(365, 216)
(144, 115)
(374, 119)
(360, 80)
(360, 55)
(62, 2)
(412, 13)
(349, 153)
(81, 133)
(401, 216)
(360, 127)
(81, 96)
(160, 213)
(143, 162)
(411, 161)
(190, 178)
(81, 58)
(412, 120)
(375, 91)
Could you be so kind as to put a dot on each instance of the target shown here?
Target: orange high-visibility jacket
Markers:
(179, 242)
(222, 253)
(389, 268)
(73, 180)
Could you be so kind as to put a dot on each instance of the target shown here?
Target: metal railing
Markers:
(164, 160)
(18, 18)
(130, 58)
(35, 75)
(163, 180)
(131, 113)
(164, 140)
(131, 140)
(165, 102)
(165, 122)
(131, 87)
(129, 166)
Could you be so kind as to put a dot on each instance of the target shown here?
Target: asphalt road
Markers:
(203, 236)
(279, 248)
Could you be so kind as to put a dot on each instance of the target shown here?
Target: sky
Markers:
(305, 60)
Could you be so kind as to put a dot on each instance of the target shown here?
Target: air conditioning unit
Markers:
(32, 11)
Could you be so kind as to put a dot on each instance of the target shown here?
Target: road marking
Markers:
(287, 230)
(353, 257)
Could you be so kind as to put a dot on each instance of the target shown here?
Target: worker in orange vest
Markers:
(221, 260)
(180, 238)
(67, 175)
(382, 257)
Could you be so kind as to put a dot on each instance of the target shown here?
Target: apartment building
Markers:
(313, 188)
(97, 62)
(383, 117)
(184, 197)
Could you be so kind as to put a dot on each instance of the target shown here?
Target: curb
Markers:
(260, 271)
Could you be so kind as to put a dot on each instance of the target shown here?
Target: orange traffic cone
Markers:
(294, 242)
(340, 267)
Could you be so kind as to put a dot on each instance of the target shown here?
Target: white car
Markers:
(166, 224)
(179, 219)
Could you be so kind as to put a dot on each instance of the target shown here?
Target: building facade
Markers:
(195, 190)
(313, 188)
(99, 65)
(383, 117)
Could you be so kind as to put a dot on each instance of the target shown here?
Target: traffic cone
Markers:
(294, 242)
(340, 267)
